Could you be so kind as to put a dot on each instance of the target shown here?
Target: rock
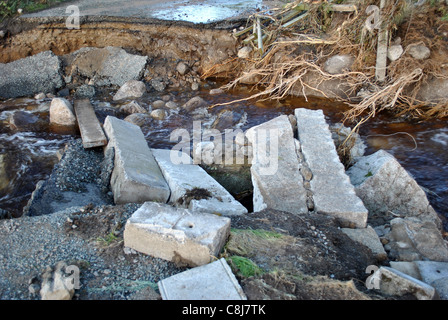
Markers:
(214, 281)
(407, 267)
(224, 120)
(23, 121)
(159, 114)
(2, 34)
(166, 98)
(394, 52)
(419, 52)
(192, 187)
(108, 66)
(40, 96)
(216, 91)
(396, 283)
(132, 89)
(441, 286)
(245, 52)
(176, 234)
(85, 91)
(436, 275)
(182, 68)
(158, 85)
(62, 113)
(158, 104)
(139, 119)
(385, 186)
(136, 177)
(66, 92)
(30, 76)
(412, 239)
(338, 64)
(369, 238)
(132, 107)
(434, 90)
(276, 176)
(55, 284)
(354, 147)
(195, 103)
(171, 105)
(195, 86)
(333, 194)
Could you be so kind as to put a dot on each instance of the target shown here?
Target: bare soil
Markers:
(313, 260)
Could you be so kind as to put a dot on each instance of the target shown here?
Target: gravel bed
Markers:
(74, 220)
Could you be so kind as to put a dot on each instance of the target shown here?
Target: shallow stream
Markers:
(29, 150)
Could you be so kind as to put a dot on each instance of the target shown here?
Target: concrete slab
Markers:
(333, 193)
(136, 177)
(214, 281)
(369, 238)
(394, 282)
(276, 177)
(176, 234)
(184, 178)
(91, 132)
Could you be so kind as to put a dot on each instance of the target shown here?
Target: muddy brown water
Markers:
(31, 149)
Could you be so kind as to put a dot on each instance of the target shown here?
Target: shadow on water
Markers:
(29, 156)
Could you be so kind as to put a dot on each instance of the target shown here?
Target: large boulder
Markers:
(30, 76)
(62, 113)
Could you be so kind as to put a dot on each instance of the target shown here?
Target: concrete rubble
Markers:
(214, 281)
(387, 189)
(176, 234)
(394, 282)
(185, 177)
(275, 168)
(30, 76)
(136, 177)
(333, 192)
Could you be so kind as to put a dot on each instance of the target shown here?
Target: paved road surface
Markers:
(196, 11)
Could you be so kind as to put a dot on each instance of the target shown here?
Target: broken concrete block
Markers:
(333, 193)
(214, 281)
(436, 275)
(192, 187)
(132, 89)
(136, 177)
(369, 238)
(91, 132)
(31, 75)
(176, 234)
(394, 282)
(386, 187)
(275, 168)
(407, 267)
(412, 239)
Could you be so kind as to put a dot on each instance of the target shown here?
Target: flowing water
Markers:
(29, 152)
